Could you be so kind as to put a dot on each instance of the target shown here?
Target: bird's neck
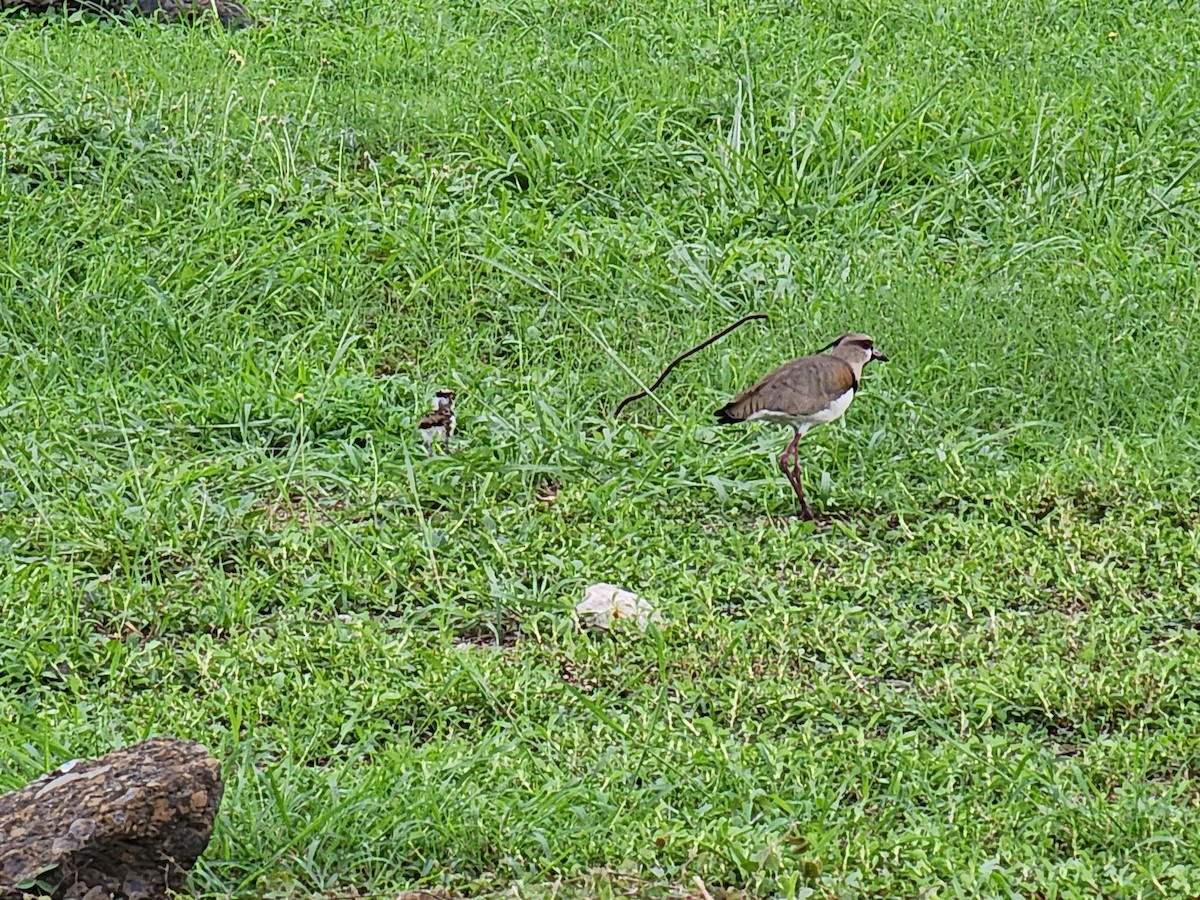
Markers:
(854, 360)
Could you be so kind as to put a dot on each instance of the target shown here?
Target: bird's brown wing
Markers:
(802, 387)
(434, 420)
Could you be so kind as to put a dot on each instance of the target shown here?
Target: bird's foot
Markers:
(807, 515)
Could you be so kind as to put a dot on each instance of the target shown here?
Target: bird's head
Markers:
(856, 349)
(443, 400)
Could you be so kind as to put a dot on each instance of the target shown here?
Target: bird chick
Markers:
(439, 424)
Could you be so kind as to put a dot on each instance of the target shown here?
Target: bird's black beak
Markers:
(875, 354)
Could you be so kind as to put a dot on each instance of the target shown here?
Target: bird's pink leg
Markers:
(788, 451)
(798, 484)
(795, 474)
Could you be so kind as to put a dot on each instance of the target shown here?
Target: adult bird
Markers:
(806, 392)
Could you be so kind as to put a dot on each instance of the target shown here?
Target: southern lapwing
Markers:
(803, 393)
(439, 423)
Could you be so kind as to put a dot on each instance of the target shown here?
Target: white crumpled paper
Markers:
(603, 604)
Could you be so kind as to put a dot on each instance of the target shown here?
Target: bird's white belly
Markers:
(834, 410)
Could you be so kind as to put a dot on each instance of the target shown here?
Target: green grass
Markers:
(235, 267)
